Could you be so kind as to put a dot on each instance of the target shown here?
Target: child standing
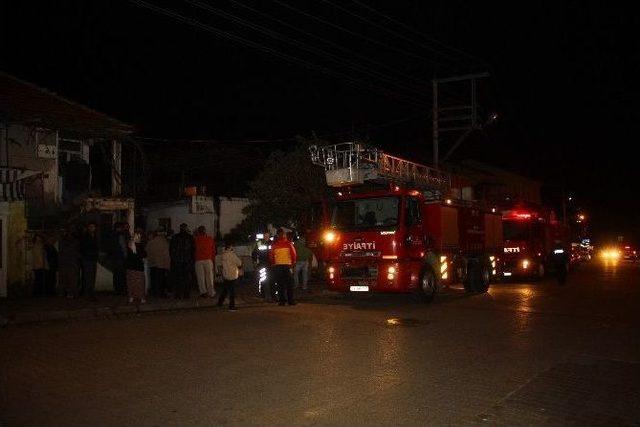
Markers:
(231, 265)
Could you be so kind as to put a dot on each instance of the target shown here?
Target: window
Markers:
(413, 211)
(360, 214)
(516, 230)
(165, 223)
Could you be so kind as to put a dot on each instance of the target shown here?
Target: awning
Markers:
(13, 183)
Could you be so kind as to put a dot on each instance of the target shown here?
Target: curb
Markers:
(110, 311)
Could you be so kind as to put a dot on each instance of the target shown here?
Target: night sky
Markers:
(564, 78)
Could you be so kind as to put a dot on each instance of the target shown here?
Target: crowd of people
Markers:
(174, 263)
(158, 264)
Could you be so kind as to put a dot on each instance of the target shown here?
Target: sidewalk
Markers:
(27, 310)
(42, 309)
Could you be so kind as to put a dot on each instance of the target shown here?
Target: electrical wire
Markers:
(390, 31)
(334, 45)
(414, 31)
(284, 56)
(304, 46)
(369, 39)
(356, 34)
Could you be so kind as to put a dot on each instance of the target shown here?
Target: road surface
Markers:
(524, 353)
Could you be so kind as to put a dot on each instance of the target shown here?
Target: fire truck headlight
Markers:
(331, 271)
(391, 273)
(329, 236)
(525, 264)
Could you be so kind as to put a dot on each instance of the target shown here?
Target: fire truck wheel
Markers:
(478, 277)
(471, 277)
(484, 280)
(428, 286)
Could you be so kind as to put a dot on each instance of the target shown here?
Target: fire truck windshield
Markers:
(516, 230)
(361, 214)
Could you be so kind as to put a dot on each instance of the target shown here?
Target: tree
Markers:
(285, 190)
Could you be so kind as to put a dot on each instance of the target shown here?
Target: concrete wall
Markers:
(14, 248)
(231, 213)
(43, 191)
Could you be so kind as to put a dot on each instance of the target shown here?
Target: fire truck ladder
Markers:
(352, 163)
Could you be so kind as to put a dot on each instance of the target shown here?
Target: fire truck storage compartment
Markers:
(471, 223)
(442, 225)
(493, 230)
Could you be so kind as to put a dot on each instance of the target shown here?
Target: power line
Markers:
(331, 43)
(301, 45)
(281, 55)
(355, 34)
(390, 31)
(414, 31)
(364, 37)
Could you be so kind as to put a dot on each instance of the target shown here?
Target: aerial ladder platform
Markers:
(353, 163)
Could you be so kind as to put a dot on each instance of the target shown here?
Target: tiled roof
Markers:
(26, 103)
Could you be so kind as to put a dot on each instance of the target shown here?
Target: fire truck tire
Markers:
(485, 279)
(478, 277)
(428, 286)
(471, 276)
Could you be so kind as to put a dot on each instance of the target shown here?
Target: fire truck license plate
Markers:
(359, 288)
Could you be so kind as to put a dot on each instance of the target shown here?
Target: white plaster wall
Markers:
(178, 213)
(231, 213)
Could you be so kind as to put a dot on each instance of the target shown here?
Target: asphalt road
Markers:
(522, 354)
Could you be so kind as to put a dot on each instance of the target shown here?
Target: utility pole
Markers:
(462, 117)
(116, 168)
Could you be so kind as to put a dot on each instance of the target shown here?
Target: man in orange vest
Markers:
(283, 258)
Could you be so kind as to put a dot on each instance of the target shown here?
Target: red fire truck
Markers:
(395, 226)
(530, 233)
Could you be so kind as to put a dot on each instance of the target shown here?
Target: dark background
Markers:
(564, 82)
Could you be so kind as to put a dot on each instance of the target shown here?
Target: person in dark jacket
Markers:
(135, 272)
(89, 251)
(51, 274)
(118, 252)
(69, 264)
(182, 249)
(560, 262)
(39, 265)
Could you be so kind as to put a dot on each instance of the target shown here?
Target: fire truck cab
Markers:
(395, 227)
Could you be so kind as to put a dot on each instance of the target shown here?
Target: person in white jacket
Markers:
(231, 265)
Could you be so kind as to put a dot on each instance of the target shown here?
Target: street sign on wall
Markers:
(46, 151)
(201, 205)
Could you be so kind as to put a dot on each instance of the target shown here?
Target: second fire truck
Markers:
(530, 234)
(401, 227)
